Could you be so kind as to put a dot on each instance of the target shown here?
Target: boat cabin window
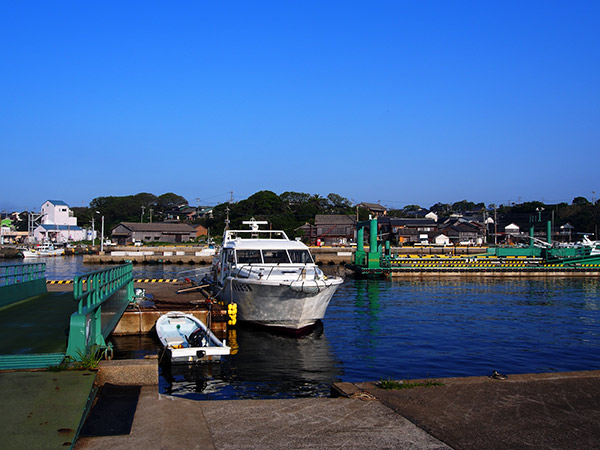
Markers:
(275, 256)
(248, 256)
(229, 256)
(300, 256)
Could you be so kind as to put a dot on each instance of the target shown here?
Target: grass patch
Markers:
(87, 361)
(401, 384)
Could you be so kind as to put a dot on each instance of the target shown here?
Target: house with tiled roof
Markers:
(374, 208)
(130, 232)
(330, 229)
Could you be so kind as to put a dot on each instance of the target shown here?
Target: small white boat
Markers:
(45, 249)
(186, 338)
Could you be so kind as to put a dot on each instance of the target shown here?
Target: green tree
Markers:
(581, 201)
(169, 201)
(441, 209)
(338, 204)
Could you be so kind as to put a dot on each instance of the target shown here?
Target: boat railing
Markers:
(231, 235)
(242, 267)
(90, 326)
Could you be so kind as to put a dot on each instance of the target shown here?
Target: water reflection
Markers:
(448, 327)
(266, 365)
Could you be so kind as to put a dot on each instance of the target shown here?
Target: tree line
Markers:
(290, 210)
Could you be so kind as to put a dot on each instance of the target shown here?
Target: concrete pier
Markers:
(555, 410)
(552, 410)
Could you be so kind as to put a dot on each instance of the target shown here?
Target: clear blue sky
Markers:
(398, 102)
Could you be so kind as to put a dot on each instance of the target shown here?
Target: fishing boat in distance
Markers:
(44, 249)
(186, 338)
(273, 280)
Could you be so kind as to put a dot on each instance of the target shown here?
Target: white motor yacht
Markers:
(273, 280)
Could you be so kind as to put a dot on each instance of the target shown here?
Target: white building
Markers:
(58, 224)
(512, 229)
(442, 239)
(431, 215)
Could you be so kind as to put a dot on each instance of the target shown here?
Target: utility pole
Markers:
(142, 217)
(595, 215)
(151, 215)
(495, 227)
(485, 232)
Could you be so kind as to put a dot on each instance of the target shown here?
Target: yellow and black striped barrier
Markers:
(156, 280)
(142, 280)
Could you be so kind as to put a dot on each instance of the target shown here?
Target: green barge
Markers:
(539, 258)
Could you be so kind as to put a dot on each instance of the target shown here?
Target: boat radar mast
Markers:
(254, 223)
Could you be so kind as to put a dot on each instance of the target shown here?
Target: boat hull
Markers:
(294, 306)
(41, 253)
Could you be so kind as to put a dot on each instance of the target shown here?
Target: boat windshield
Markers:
(300, 256)
(248, 256)
(275, 256)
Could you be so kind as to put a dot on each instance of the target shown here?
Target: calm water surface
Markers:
(377, 329)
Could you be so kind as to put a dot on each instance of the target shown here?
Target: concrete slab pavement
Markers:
(550, 411)
(166, 422)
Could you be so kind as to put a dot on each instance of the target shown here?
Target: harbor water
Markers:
(379, 329)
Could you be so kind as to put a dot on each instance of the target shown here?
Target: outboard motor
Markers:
(198, 338)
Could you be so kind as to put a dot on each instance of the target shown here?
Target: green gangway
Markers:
(38, 329)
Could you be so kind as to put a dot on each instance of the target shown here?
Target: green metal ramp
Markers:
(42, 330)
(34, 332)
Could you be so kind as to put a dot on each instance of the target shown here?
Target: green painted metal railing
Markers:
(20, 273)
(21, 281)
(89, 326)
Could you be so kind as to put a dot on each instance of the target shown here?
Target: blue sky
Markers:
(398, 102)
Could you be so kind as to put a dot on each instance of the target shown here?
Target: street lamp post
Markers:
(102, 236)
(94, 230)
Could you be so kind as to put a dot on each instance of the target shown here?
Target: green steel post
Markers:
(531, 234)
(359, 255)
(373, 255)
(549, 231)
(373, 236)
(360, 239)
